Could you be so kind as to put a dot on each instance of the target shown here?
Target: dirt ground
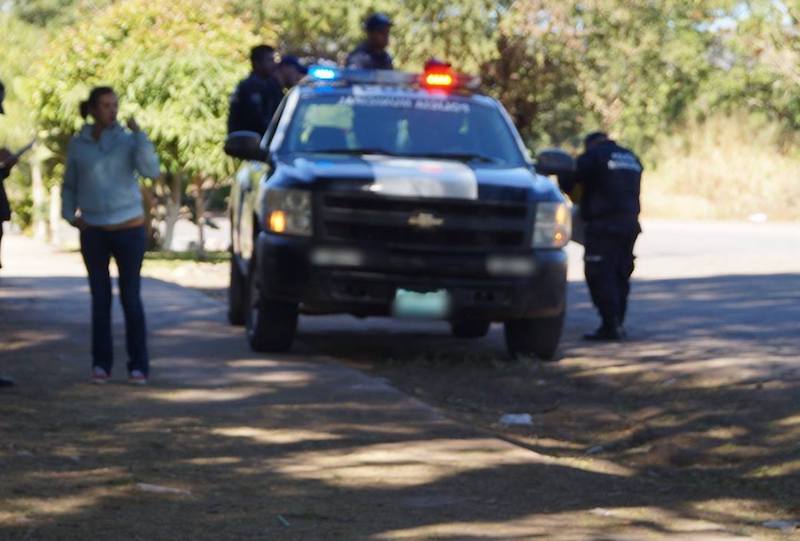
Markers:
(674, 435)
(728, 438)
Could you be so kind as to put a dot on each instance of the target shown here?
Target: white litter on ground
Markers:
(158, 489)
(782, 525)
(518, 419)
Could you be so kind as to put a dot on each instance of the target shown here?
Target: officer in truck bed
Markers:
(610, 177)
(371, 54)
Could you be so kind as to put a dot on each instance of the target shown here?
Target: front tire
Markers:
(271, 325)
(538, 337)
(237, 295)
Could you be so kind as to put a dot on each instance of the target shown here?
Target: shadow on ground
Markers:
(297, 448)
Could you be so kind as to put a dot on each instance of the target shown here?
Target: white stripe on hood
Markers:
(408, 177)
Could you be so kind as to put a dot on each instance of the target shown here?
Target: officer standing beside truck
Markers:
(256, 98)
(610, 177)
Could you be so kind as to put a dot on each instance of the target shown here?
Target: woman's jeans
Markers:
(127, 247)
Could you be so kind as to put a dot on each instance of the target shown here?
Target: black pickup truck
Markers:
(395, 194)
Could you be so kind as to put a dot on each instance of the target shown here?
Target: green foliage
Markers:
(314, 28)
(629, 68)
(763, 57)
(460, 32)
(561, 67)
(19, 49)
(173, 65)
(55, 13)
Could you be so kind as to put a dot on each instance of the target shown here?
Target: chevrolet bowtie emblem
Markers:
(425, 220)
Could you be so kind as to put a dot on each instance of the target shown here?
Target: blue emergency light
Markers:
(323, 73)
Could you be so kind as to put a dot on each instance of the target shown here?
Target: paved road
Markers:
(704, 291)
(303, 447)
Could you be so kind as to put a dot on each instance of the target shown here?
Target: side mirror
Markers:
(245, 145)
(555, 162)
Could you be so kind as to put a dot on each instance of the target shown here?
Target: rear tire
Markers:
(470, 328)
(271, 325)
(538, 337)
(237, 299)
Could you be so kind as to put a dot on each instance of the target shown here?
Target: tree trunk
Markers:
(150, 217)
(173, 207)
(55, 215)
(39, 195)
(200, 216)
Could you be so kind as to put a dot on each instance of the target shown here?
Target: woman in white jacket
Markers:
(101, 197)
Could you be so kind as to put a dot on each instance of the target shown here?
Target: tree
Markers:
(173, 65)
(762, 72)
(55, 13)
(536, 72)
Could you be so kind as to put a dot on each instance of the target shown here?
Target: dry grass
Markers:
(727, 168)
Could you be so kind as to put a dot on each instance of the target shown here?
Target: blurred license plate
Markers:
(414, 305)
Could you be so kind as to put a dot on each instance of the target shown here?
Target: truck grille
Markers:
(441, 224)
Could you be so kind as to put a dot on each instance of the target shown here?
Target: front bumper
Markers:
(365, 283)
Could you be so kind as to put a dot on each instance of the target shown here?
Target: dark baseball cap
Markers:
(2, 97)
(595, 137)
(294, 62)
(377, 21)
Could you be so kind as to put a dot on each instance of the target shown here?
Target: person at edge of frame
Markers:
(7, 161)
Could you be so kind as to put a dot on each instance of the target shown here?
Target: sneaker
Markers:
(137, 377)
(99, 376)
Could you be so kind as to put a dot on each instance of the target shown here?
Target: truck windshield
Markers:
(447, 127)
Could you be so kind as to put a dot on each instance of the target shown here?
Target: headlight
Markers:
(288, 212)
(553, 226)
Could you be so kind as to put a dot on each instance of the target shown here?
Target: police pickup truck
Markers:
(381, 193)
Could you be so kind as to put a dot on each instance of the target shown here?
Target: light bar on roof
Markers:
(442, 79)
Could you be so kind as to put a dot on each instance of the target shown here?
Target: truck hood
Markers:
(416, 177)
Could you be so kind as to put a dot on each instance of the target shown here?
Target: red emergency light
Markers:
(438, 74)
(439, 79)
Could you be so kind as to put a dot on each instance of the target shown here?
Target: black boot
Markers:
(609, 331)
(5, 382)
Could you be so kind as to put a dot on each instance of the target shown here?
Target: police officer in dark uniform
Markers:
(256, 98)
(371, 54)
(7, 161)
(610, 177)
(290, 71)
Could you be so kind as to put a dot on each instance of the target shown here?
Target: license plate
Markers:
(415, 305)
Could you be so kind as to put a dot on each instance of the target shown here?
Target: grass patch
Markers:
(163, 257)
(726, 168)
